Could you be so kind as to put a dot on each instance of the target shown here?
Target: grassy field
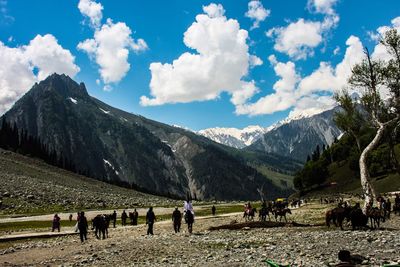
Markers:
(279, 179)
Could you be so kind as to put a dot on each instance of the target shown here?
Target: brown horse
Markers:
(396, 208)
(337, 216)
(375, 215)
(249, 214)
(282, 213)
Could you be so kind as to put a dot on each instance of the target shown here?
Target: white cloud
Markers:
(48, 56)
(17, 76)
(110, 46)
(379, 51)
(336, 51)
(257, 13)
(283, 97)
(214, 10)
(312, 104)
(91, 10)
(255, 61)
(310, 94)
(322, 6)
(299, 39)
(221, 62)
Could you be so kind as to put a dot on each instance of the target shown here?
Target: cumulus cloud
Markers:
(257, 13)
(379, 51)
(110, 49)
(310, 94)
(214, 10)
(220, 64)
(322, 6)
(92, 10)
(110, 46)
(299, 38)
(44, 54)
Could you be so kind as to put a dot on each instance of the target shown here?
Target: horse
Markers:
(100, 224)
(189, 219)
(396, 208)
(375, 215)
(337, 216)
(249, 214)
(282, 213)
(263, 213)
(358, 219)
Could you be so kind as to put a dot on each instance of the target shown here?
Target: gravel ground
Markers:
(129, 246)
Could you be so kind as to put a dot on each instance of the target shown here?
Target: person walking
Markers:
(82, 226)
(56, 223)
(124, 216)
(114, 218)
(70, 217)
(135, 217)
(176, 219)
(213, 210)
(150, 219)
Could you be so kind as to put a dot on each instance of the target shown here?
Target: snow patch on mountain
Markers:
(73, 100)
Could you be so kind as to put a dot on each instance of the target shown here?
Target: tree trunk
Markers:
(368, 190)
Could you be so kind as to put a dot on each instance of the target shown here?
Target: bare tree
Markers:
(371, 76)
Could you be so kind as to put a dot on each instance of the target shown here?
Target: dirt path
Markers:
(92, 213)
(70, 230)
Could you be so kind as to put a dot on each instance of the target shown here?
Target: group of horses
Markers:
(265, 211)
(357, 218)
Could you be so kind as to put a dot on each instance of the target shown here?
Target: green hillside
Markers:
(342, 173)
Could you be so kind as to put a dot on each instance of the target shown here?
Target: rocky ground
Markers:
(129, 246)
(29, 186)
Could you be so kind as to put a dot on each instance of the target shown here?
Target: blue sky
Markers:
(162, 24)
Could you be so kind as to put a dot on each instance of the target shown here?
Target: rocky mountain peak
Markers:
(64, 85)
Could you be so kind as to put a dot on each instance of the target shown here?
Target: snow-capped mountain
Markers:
(234, 137)
(294, 137)
(299, 137)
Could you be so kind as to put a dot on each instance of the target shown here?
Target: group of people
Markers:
(177, 216)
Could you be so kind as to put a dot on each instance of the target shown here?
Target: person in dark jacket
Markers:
(82, 226)
(56, 223)
(114, 218)
(135, 217)
(213, 210)
(150, 219)
(124, 216)
(176, 219)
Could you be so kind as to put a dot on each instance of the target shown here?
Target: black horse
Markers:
(189, 219)
(358, 219)
(263, 213)
(282, 214)
(100, 224)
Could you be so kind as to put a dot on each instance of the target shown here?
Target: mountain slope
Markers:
(298, 138)
(31, 186)
(119, 147)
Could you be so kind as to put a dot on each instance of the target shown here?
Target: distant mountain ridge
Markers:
(233, 137)
(298, 138)
(116, 146)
